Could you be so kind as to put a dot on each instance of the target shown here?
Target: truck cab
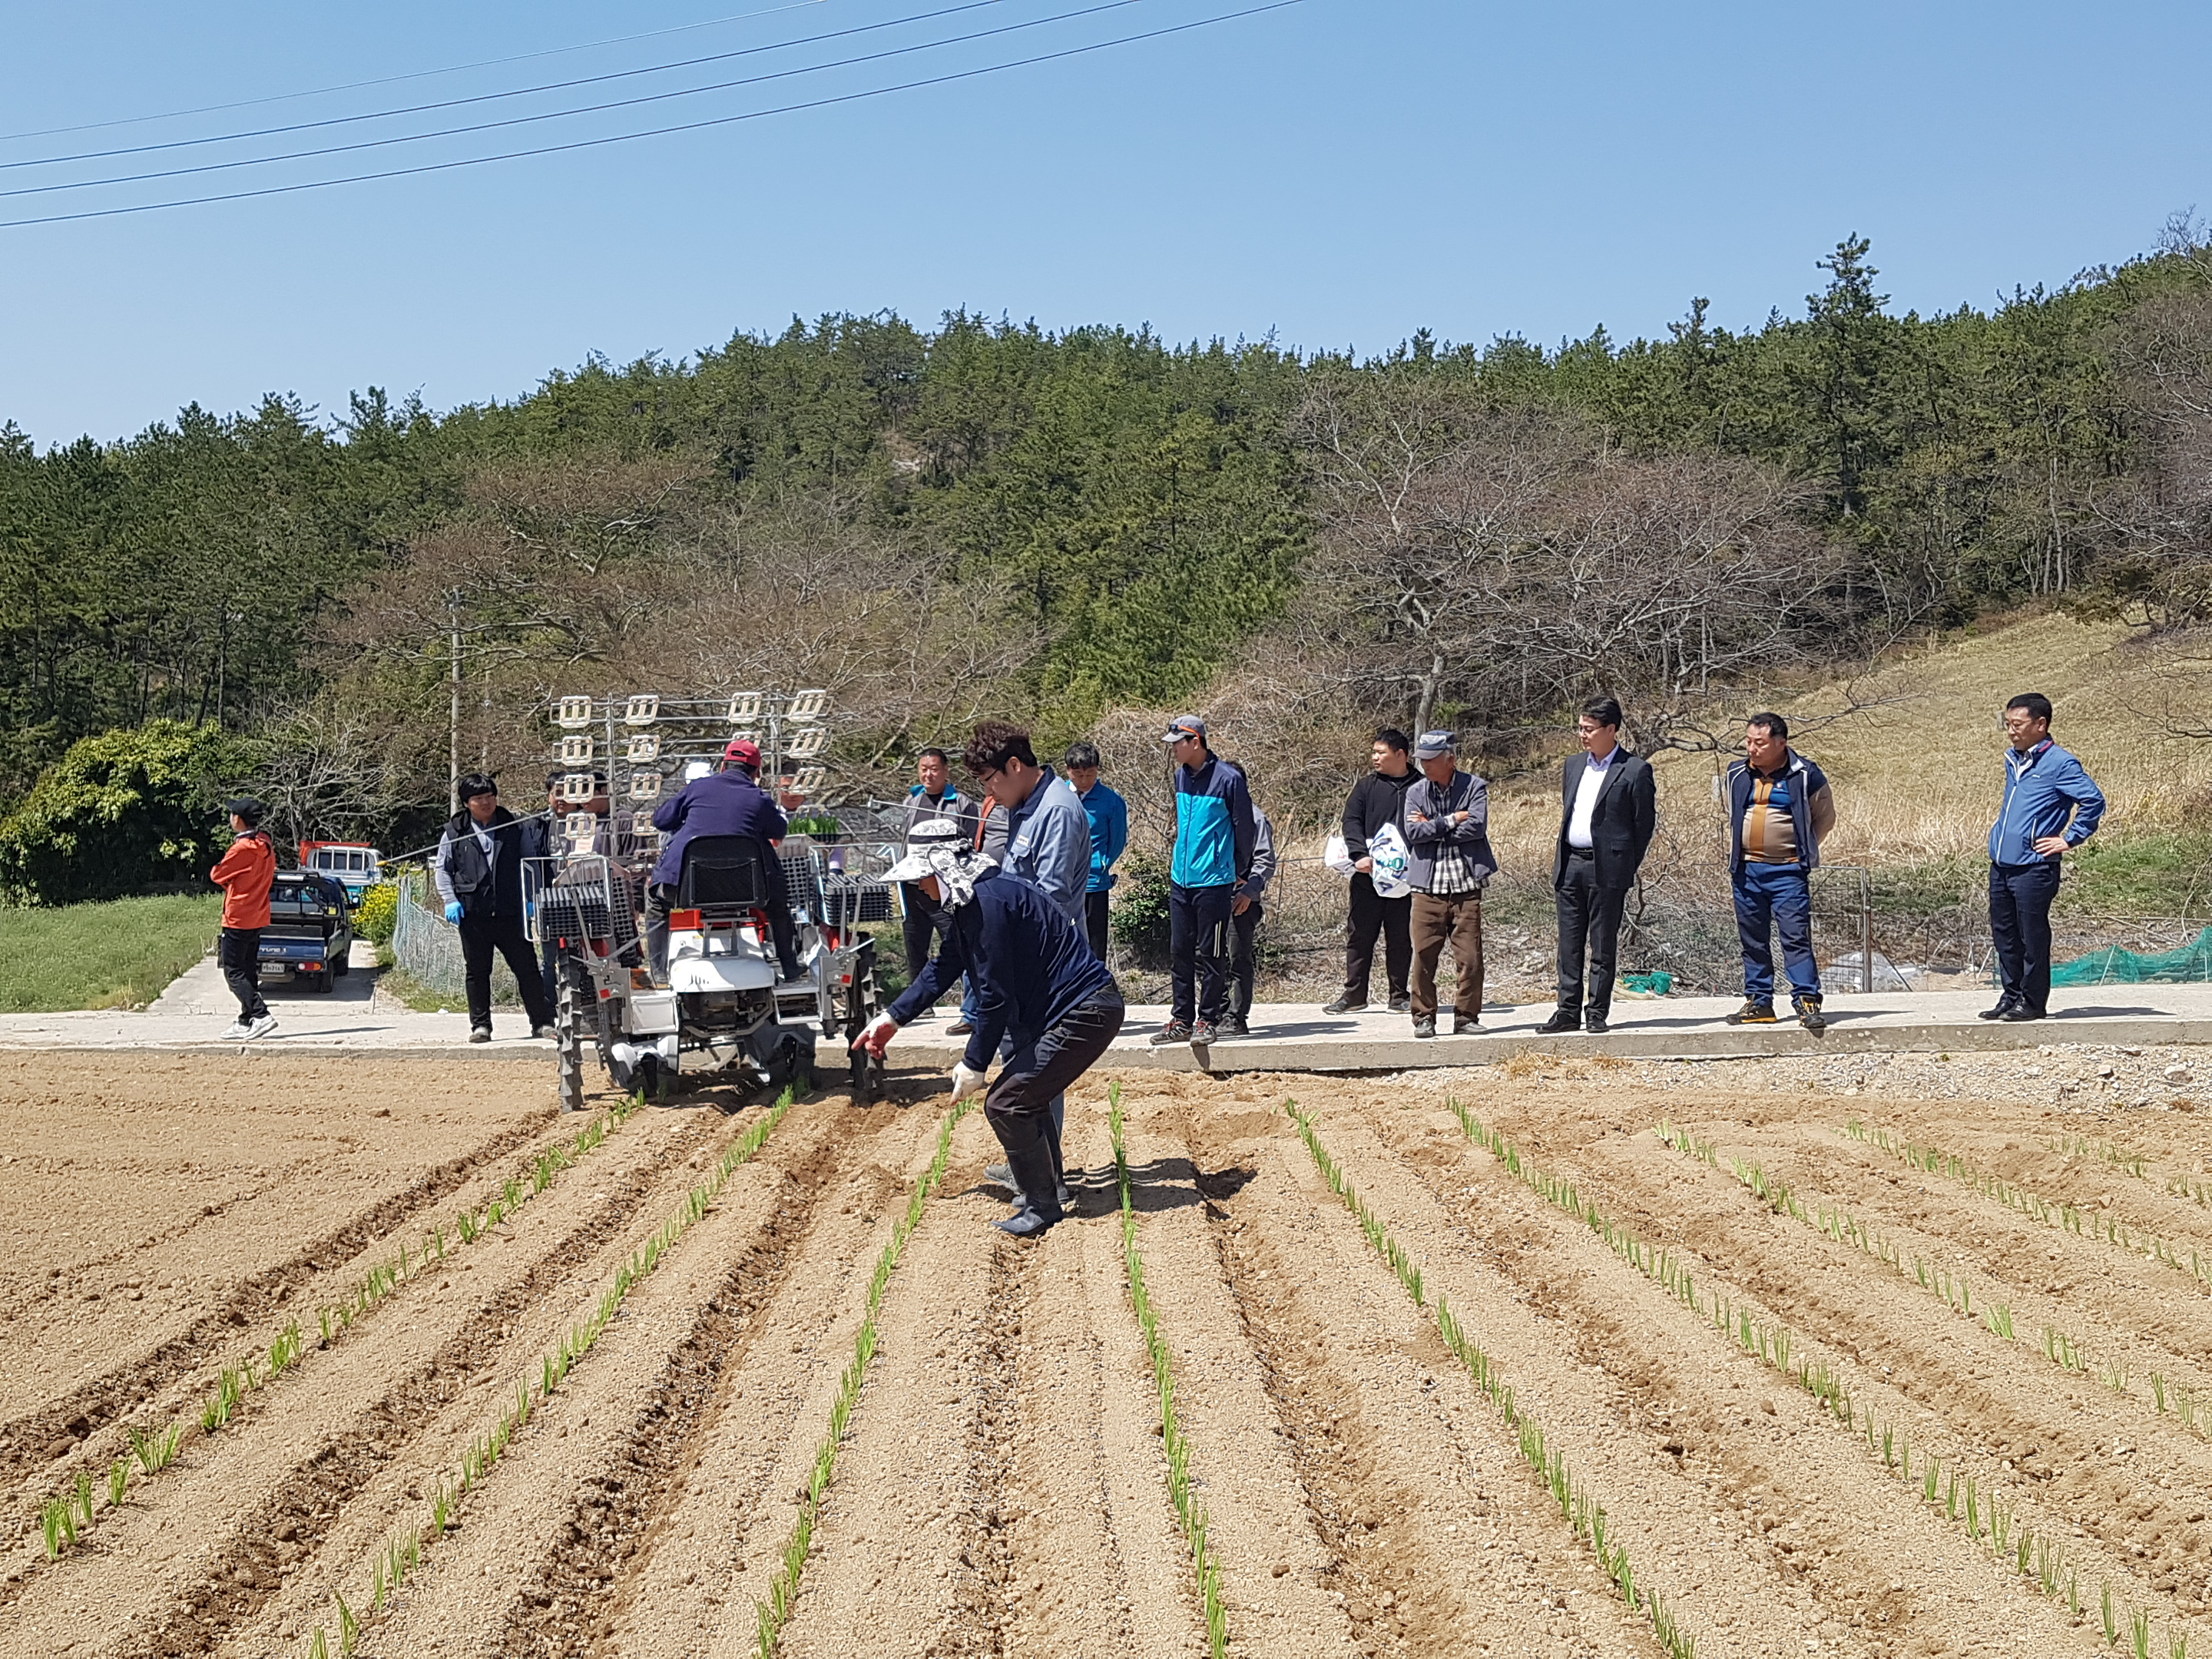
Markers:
(353, 864)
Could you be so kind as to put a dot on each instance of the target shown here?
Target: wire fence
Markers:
(427, 948)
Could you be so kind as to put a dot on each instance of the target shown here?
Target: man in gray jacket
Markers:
(1048, 844)
(1047, 830)
(1447, 834)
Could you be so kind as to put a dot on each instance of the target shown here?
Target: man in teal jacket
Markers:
(1109, 837)
(1214, 839)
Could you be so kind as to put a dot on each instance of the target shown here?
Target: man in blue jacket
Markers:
(1109, 838)
(1214, 838)
(1780, 810)
(2044, 787)
(1037, 988)
(730, 802)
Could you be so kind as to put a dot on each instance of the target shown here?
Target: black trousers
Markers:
(2019, 926)
(1198, 935)
(480, 937)
(1018, 1105)
(1590, 936)
(1243, 965)
(917, 918)
(1094, 922)
(1372, 914)
(239, 951)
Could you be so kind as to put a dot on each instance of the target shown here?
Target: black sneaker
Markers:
(1233, 1025)
(1466, 1024)
(1401, 1005)
(1754, 1012)
(1560, 1021)
(1424, 1025)
(1594, 1023)
(1345, 1005)
(480, 1034)
(1202, 1034)
(1809, 1015)
(1174, 1031)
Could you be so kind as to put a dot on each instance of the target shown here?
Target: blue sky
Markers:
(1339, 173)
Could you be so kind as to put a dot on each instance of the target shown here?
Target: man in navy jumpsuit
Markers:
(1037, 985)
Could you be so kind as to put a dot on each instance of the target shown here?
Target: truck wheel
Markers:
(327, 980)
(343, 965)
(568, 1036)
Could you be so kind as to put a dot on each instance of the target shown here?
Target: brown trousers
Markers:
(1458, 919)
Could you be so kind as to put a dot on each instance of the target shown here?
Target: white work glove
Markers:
(966, 1081)
(878, 1037)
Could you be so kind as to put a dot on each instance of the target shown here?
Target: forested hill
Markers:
(1110, 519)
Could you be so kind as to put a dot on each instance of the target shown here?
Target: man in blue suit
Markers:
(2043, 788)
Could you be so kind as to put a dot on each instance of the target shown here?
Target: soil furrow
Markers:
(56, 1429)
(1692, 1389)
(980, 1594)
(769, 1388)
(618, 1520)
(2076, 1462)
(1276, 1570)
(291, 1521)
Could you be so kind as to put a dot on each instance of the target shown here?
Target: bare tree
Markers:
(1500, 562)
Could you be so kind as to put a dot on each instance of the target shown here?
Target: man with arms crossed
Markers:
(1608, 807)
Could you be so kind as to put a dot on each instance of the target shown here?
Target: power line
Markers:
(565, 115)
(490, 97)
(394, 80)
(654, 132)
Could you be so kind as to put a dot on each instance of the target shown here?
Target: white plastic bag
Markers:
(1389, 857)
(1338, 857)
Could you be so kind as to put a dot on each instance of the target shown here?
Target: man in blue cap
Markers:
(1036, 986)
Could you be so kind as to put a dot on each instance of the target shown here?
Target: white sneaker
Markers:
(238, 1030)
(263, 1026)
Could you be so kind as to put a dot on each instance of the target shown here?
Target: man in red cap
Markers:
(730, 802)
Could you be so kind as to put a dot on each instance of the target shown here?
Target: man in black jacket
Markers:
(1607, 810)
(478, 873)
(1378, 798)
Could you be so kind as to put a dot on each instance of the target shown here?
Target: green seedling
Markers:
(320, 1647)
(118, 1479)
(2115, 1375)
(2111, 1625)
(2139, 1633)
(54, 1524)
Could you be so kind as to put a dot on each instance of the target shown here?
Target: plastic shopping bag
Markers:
(1389, 857)
(1338, 857)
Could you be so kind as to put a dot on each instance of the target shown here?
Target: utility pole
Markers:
(453, 710)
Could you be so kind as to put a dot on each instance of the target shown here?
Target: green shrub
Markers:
(1141, 922)
(379, 913)
(130, 809)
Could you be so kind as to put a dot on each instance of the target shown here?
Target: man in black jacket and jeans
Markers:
(1607, 811)
(478, 873)
(1377, 800)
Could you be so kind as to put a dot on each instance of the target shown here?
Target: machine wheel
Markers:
(785, 1053)
(568, 1034)
(862, 1005)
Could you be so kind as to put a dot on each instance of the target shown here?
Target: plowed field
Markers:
(1561, 1360)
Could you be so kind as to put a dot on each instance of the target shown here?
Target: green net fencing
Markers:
(2191, 965)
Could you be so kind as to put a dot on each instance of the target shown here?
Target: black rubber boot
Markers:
(1029, 1155)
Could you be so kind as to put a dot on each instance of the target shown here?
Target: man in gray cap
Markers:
(1447, 834)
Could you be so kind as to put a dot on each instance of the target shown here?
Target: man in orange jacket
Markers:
(245, 875)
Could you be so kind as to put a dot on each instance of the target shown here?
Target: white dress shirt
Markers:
(1586, 793)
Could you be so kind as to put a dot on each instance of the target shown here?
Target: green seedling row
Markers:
(1189, 1509)
(2080, 1146)
(157, 1450)
(772, 1614)
(403, 1551)
(1577, 1506)
(2082, 1222)
(1987, 1518)
(2061, 1349)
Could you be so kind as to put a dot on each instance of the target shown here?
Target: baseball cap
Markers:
(247, 808)
(1434, 745)
(928, 836)
(1184, 725)
(744, 751)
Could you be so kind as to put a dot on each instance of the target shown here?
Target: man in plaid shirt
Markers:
(1448, 832)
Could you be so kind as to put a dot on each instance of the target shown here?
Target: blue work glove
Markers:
(453, 912)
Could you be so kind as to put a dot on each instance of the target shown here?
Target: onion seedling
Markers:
(118, 1479)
